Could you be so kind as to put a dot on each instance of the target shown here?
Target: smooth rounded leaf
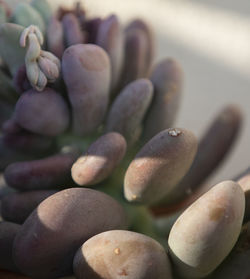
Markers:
(100, 159)
(159, 166)
(86, 72)
(121, 254)
(50, 237)
(44, 113)
(207, 231)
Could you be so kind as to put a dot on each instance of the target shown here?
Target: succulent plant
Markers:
(97, 180)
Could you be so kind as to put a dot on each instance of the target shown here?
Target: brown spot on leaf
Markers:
(123, 272)
(106, 242)
(216, 213)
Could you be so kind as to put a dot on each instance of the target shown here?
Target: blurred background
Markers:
(211, 40)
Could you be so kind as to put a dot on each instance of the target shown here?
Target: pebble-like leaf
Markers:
(72, 30)
(45, 113)
(49, 238)
(10, 50)
(135, 56)
(47, 173)
(100, 159)
(167, 81)
(215, 144)
(44, 8)
(206, 232)
(150, 51)
(110, 37)
(121, 254)
(55, 37)
(159, 166)
(87, 74)
(25, 15)
(129, 108)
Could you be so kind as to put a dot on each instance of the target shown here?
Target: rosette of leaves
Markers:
(91, 159)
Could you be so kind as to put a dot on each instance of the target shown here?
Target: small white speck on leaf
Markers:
(174, 132)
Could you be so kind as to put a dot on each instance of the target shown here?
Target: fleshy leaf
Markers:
(110, 37)
(129, 108)
(159, 166)
(10, 50)
(26, 15)
(44, 8)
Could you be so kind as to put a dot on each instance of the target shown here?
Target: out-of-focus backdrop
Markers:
(211, 39)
